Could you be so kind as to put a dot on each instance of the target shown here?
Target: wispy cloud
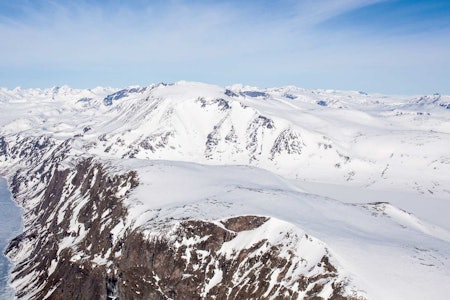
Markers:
(310, 12)
(82, 32)
(256, 42)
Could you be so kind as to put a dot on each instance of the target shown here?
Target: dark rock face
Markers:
(243, 223)
(288, 142)
(190, 263)
(254, 94)
(69, 227)
(108, 101)
(290, 96)
(221, 104)
(26, 150)
(3, 146)
(230, 93)
(256, 131)
(155, 142)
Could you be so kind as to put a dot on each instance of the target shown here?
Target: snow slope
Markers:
(366, 176)
(376, 244)
(383, 142)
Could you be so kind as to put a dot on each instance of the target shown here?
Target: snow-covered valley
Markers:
(189, 189)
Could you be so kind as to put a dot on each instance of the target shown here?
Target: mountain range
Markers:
(195, 191)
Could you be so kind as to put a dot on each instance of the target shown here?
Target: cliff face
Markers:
(69, 211)
(228, 259)
(80, 243)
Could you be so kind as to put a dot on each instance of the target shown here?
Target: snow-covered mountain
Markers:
(192, 190)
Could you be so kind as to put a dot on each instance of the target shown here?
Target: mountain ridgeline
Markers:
(189, 191)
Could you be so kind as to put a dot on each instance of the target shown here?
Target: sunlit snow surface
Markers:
(375, 244)
(382, 142)
(368, 175)
(10, 225)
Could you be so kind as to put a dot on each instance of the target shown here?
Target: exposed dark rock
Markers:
(242, 223)
(288, 142)
(3, 147)
(222, 104)
(156, 141)
(254, 94)
(165, 267)
(84, 100)
(255, 133)
(230, 93)
(445, 105)
(121, 94)
(231, 136)
(50, 222)
(212, 140)
(290, 96)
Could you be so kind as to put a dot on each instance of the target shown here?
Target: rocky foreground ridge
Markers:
(71, 247)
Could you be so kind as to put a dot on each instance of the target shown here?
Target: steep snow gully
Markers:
(190, 190)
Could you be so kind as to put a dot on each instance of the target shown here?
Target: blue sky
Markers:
(387, 46)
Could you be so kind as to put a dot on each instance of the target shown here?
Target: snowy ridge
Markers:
(316, 135)
(91, 231)
(405, 219)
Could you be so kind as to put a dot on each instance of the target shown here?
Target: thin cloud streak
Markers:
(311, 12)
(86, 35)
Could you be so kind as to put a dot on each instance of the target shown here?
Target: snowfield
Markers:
(362, 178)
(375, 243)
